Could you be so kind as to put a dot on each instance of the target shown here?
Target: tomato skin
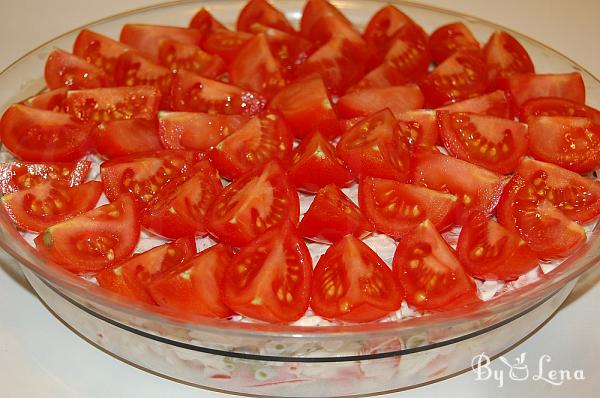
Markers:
(260, 11)
(147, 38)
(16, 176)
(352, 284)
(251, 204)
(205, 22)
(396, 209)
(492, 104)
(420, 127)
(524, 87)
(225, 43)
(448, 39)
(383, 27)
(195, 287)
(430, 272)
(126, 137)
(505, 56)
(487, 250)
(36, 135)
(52, 100)
(331, 216)
(270, 279)
(48, 203)
(94, 240)
(316, 165)
(175, 55)
(99, 50)
(67, 70)
(366, 102)
(552, 106)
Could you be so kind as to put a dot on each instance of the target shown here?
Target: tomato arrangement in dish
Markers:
(207, 131)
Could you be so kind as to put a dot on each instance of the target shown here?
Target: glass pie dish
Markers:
(280, 360)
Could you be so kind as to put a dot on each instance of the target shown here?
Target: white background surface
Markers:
(40, 357)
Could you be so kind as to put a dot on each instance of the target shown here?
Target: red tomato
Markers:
(126, 137)
(53, 100)
(398, 99)
(384, 75)
(196, 131)
(132, 277)
(114, 103)
(429, 271)
(527, 86)
(448, 39)
(16, 176)
(260, 11)
(67, 70)
(251, 204)
(196, 286)
(459, 77)
(255, 68)
(396, 209)
(505, 57)
(316, 10)
(35, 135)
(487, 141)
(477, 189)
(94, 240)
(331, 216)
(99, 50)
(143, 175)
(306, 107)
(51, 202)
(316, 165)
(181, 205)
(261, 139)
(270, 279)
(374, 147)
(492, 104)
(551, 106)
(570, 142)
(175, 55)
(419, 127)
(409, 52)
(487, 250)
(147, 38)
(225, 43)
(205, 22)
(193, 93)
(351, 283)
(383, 27)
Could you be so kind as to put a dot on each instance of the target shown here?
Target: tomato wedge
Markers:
(449, 39)
(134, 68)
(505, 57)
(331, 216)
(396, 209)
(260, 11)
(384, 75)
(430, 272)
(225, 43)
(16, 176)
(94, 240)
(398, 99)
(35, 135)
(552, 106)
(487, 141)
(524, 87)
(351, 283)
(132, 277)
(492, 104)
(270, 279)
(175, 56)
(419, 127)
(99, 50)
(487, 250)
(180, 207)
(53, 100)
(196, 286)
(67, 70)
(251, 204)
(316, 10)
(570, 142)
(147, 38)
(51, 202)
(409, 52)
(126, 137)
(204, 21)
(383, 27)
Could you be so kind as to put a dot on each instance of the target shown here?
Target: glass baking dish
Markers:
(283, 360)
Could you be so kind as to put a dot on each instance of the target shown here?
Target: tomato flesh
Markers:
(205, 22)
(449, 39)
(492, 104)
(99, 50)
(384, 26)
(53, 100)
(384, 75)
(17, 176)
(260, 11)
(524, 87)
(67, 70)
(147, 38)
(552, 106)
(505, 57)
(409, 52)
(176, 55)
(225, 43)
(126, 137)
(419, 127)
(398, 99)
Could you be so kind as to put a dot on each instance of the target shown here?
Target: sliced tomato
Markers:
(449, 39)
(351, 283)
(487, 250)
(196, 286)
(306, 107)
(114, 103)
(180, 207)
(492, 104)
(126, 137)
(48, 203)
(316, 165)
(193, 93)
(67, 70)
(175, 55)
(398, 99)
(196, 131)
(147, 38)
(53, 100)
(505, 57)
(570, 142)
(374, 147)
(316, 10)
(419, 127)
(430, 272)
(384, 75)
(255, 68)
(225, 43)
(383, 27)
(487, 141)
(205, 22)
(527, 86)
(260, 11)
(460, 77)
(143, 175)
(132, 277)
(270, 279)
(396, 209)
(409, 52)
(15, 176)
(251, 204)
(94, 240)
(477, 189)
(35, 135)
(99, 50)
(552, 106)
